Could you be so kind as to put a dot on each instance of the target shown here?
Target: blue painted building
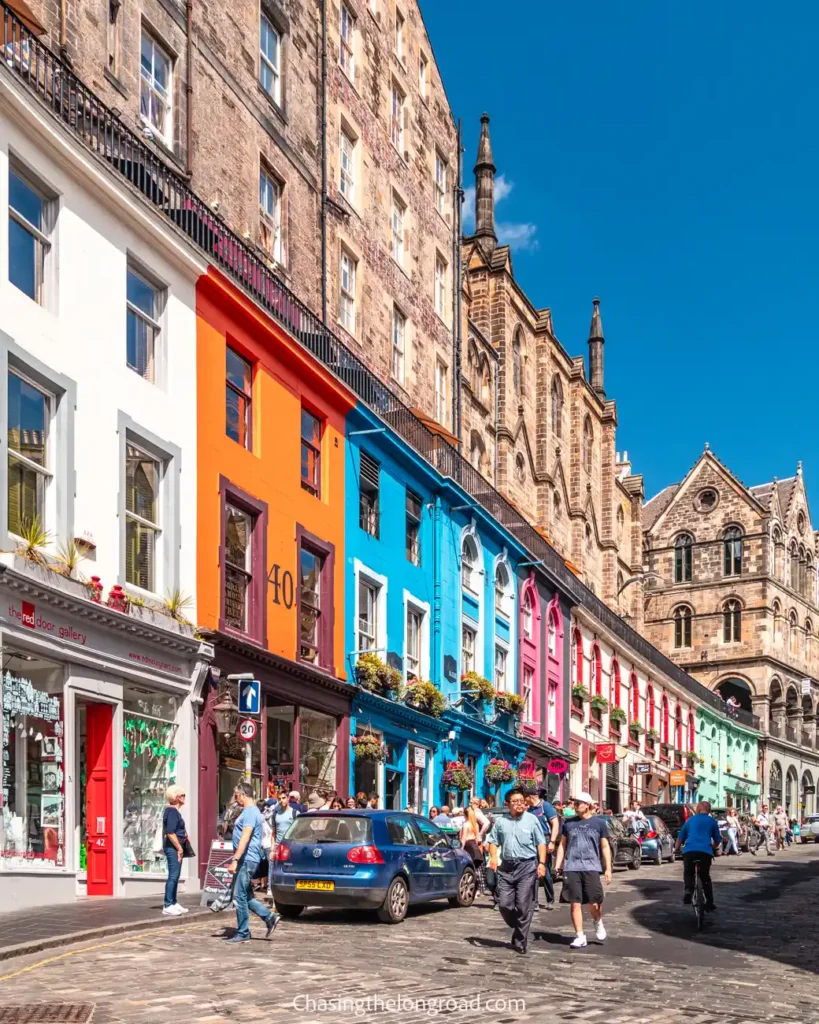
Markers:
(433, 589)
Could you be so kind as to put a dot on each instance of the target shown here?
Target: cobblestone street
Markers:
(757, 961)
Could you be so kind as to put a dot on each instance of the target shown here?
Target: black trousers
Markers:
(517, 896)
(704, 861)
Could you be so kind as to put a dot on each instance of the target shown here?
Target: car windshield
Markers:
(813, 818)
(326, 828)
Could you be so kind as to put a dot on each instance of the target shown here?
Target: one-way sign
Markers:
(250, 696)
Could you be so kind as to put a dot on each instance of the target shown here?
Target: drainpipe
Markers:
(457, 261)
(189, 91)
(437, 520)
(324, 162)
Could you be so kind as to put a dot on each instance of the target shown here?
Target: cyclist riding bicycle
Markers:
(700, 841)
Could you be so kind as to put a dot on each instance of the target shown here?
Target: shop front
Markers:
(302, 735)
(475, 743)
(97, 722)
(548, 767)
(399, 768)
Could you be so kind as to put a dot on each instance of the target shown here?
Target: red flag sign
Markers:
(605, 753)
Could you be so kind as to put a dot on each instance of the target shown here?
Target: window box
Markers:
(596, 716)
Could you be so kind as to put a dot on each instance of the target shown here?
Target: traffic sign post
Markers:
(247, 729)
(250, 697)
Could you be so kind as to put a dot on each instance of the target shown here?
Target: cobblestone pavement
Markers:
(758, 960)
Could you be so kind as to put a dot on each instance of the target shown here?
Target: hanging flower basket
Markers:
(367, 747)
(618, 716)
(425, 697)
(472, 681)
(635, 728)
(599, 703)
(457, 776)
(374, 675)
(499, 771)
(509, 703)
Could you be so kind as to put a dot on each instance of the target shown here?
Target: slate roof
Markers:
(654, 507)
(784, 490)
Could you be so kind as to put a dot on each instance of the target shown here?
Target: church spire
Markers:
(596, 342)
(485, 189)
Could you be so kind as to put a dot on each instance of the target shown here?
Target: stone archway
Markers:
(739, 690)
(792, 793)
(808, 794)
(774, 785)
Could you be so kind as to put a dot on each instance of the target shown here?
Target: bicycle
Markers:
(698, 898)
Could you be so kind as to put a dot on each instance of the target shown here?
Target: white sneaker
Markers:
(184, 910)
(579, 941)
(172, 911)
(600, 932)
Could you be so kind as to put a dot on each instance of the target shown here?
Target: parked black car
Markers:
(673, 815)
(625, 850)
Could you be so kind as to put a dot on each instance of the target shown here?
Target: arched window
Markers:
(678, 729)
(471, 374)
(778, 553)
(557, 505)
(557, 406)
(588, 443)
(597, 670)
(621, 523)
(516, 364)
(808, 639)
(692, 731)
(527, 615)
(520, 468)
(469, 561)
(589, 540)
(649, 706)
(475, 451)
(551, 635)
(486, 383)
(615, 683)
(664, 720)
(502, 591)
(793, 560)
(807, 590)
(731, 622)
(682, 558)
(793, 634)
(634, 697)
(732, 551)
(682, 627)
(577, 658)
(776, 610)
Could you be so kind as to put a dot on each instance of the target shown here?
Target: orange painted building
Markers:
(271, 466)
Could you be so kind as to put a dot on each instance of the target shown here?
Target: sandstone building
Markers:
(233, 98)
(734, 603)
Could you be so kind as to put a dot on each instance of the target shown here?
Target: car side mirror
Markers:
(455, 844)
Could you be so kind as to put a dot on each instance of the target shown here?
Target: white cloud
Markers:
(520, 235)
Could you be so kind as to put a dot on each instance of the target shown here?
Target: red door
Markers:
(99, 799)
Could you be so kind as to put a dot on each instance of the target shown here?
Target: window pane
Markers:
(25, 260)
(238, 528)
(26, 495)
(141, 484)
(28, 419)
(238, 371)
(140, 345)
(25, 200)
(141, 294)
(236, 417)
(310, 604)
(310, 428)
(140, 554)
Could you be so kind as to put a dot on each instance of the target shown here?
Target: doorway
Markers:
(95, 804)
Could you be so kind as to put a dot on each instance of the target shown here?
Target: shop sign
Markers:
(420, 757)
(676, 777)
(605, 753)
(642, 768)
(247, 729)
(557, 766)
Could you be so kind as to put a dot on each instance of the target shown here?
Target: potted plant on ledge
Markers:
(374, 675)
(509, 703)
(368, 747)
(617, 716)
(477, 688)
(598, 705)
(425, 696)
(635, 730)
(579, 696)
(498, 772)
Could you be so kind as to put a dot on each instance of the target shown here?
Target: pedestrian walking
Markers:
(470, 837)
(247, 852)
(550, 823)
(732, 827)
(796, 828)
(781, 825)
(765, 824)
(584, 854)
(442, 818)
(174, 835)
(523, 862)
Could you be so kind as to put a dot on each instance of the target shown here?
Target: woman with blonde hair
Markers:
(174, 835)
(470, 835)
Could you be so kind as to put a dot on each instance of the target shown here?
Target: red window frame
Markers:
(245, 438)
(597, 669)
(650, 706)
(326, 625)
(692, 731)
(578, 657)
(665, 718)
(257, 591)
(635, 698)
(312, 445)
(615, 684)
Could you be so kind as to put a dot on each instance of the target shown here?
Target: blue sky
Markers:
(663, 156)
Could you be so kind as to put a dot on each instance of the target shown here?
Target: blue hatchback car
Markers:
(369, 860)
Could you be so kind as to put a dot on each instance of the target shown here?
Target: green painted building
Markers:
(729, 761)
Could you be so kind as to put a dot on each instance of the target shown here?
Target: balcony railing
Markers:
(775, 729)
(790, 733)
(86, 117)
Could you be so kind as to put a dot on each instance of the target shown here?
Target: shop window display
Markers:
(317, 750)
(33, 764)
(232, 751)
(149, 766)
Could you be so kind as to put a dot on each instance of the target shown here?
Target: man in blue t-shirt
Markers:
(247, 852)
(700, 841)
(550, 823)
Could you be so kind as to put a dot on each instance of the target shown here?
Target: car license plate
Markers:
(303, 883)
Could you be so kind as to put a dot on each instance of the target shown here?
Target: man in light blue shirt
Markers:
(699, 839)
(247, 852)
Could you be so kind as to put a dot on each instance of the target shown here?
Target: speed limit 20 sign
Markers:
(247, 729)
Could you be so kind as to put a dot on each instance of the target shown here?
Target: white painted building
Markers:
(98, 366)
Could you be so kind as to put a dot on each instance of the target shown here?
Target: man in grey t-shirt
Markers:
(584, 850)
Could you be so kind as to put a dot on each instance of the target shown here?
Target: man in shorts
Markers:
(584, 854)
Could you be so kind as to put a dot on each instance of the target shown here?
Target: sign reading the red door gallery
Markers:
(28, 616)
(557, 766)
(605, 753)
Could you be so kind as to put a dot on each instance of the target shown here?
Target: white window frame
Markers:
(441, 270)
(154, 323)
(399, 344)
(346, 40)
(551, 710)
(423, 75)
(527, 692)
(154, 527)
(347, 151)
(398, 101)
(501, 683)
(420, 608)
(269, 185)
(150, 84)
(469, 629)
(399, 211)
(46, 473)
(363, 574)
(399, 35)
(441, 392)
(275, 91)
(470, 531)
(347, 315)
(44, 284)
(441, 174)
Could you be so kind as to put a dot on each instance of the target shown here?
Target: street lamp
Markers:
(226, 708)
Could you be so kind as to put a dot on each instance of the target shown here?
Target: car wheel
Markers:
(288, 910)
(673, 856)
(394, 908)
(467, 888)
(634, 863)
(659, 859)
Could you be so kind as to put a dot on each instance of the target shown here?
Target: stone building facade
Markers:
(230, 96)
(734, 603)
(536, 424)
